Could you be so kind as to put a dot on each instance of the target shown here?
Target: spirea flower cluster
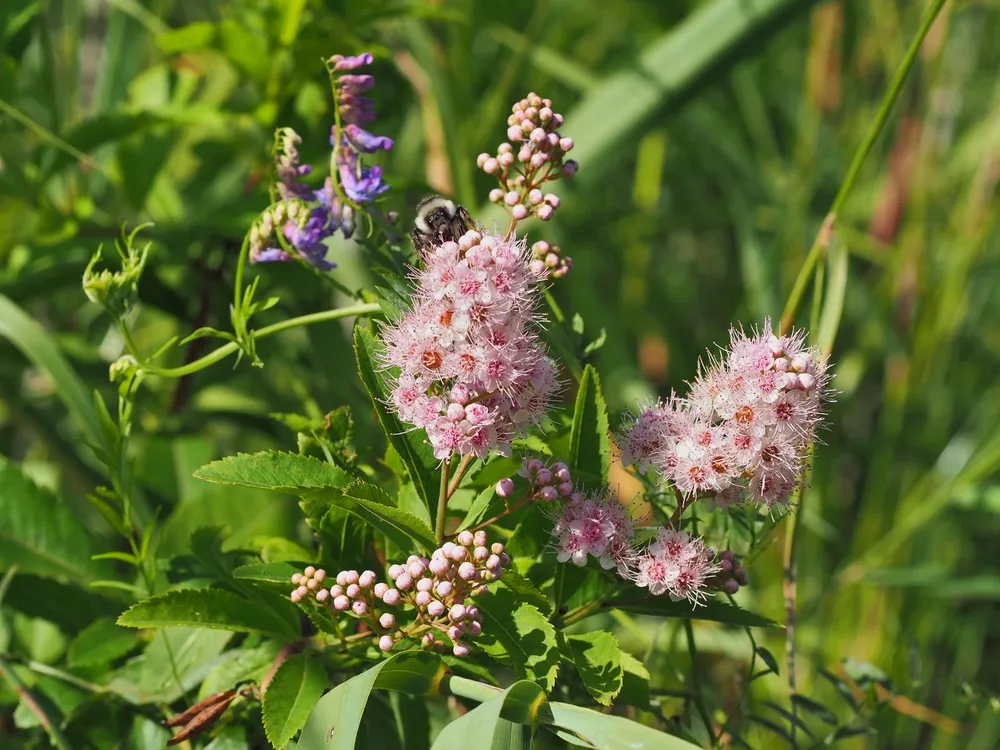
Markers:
(427, 598)
(305, 217)
(534, 154)
(548, 260)
(472, 371)
(745, 428)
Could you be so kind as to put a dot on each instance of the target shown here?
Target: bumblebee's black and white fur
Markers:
(439, 220)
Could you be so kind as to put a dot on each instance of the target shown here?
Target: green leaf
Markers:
(273, 470)
(609, 732)
(290, 697)
(206, 608)
(336, 718)
(518, 631)
(238, 665)
(598, 660)
(590, 451)
(414, 450)
(38, 346)
(484, 727)
(101, 642)
(197, 35)
(486, 505)
(526, 591)
(371, 504)
(40, 534)
(635, 682)
(712, 610)
(278, 572)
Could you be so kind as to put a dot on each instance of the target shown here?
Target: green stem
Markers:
(457, 479)
(696, 694)
(238, 283)
(826, 231)
(55, 734)
(232, 347)
(442, 509)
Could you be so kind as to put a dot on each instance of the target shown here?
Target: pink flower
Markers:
(677, 564)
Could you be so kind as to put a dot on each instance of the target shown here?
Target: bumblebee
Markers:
(439, 220)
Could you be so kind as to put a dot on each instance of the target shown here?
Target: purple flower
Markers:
(364, 141)
(355, 84)
(362, 184)
(340, 62)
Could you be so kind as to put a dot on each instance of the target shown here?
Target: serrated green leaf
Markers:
(273, 470)
(486, 505)
(590, 449)
(277, 572)
(101, 642)
(413, 449)
(239, 665)
(609, 732)
(484, 727)
(206, 608)
(635, 682)
(290, 697)
(712, 610)
(40, 534)
(371, 504)
(524, 635)
(334, 722)
(597, 658)
(526, 591)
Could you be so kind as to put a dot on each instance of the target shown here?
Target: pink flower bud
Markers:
(491, 166)
(561, 471)
(552, 199)
(731, 586)
(403, 581)
(322, 595)
(505, 487)
(416, 569)
(545, 114)
(543, 476)
(341, 603)
(465, 538)
(447, 548)
(360, 608)
(460, 650)
(296, 596)
(570, 168)
(479, 538)
(395, 571)
(474, 628)
(342, 578)
(538, 159)
(439, 566)
(496, 548)
(387, 620)
(380, 589)
(319, 575)
(519, 212)
(455, 632)
(548, 494)
(480, 554)
(806, 381)
(566, 144)
(457, 612)
(537, 267)
(538, 135)
(391, 597)
(566, 489)
(385, 642)
(351, 576)
(477, 414)
(514, 133)
(481, 159)
(311, 584)
(423, 598)
(505, 160)
(504, 559)
(427, 639)
(302, 591)
(366, 579)
(460, 394)
(552, 140)
(466, 571)
(459, 553)
(336, 590)
(493, 562)
(544, 213)
(310, 571)
(425, 584)
(444, 589)
(504, 148)
(435, 608)
(781, 364)
(297, 578)
(526, 127)
(353, 590)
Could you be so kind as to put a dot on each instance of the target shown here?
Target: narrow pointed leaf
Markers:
(290, 697)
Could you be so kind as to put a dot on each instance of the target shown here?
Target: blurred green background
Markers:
(712, 136)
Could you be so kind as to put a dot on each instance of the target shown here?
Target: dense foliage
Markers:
(680, 434)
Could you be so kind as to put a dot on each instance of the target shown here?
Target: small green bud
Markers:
(116, 291)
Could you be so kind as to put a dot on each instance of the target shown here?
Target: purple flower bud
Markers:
(741, 576)
(548, 494)
(322, 595)
(341, 603)
(504, 559)
(479, 538)
(310, 571)
(455, 632)
(444, 589)
(340, 62)
(570, 168)
(465, 538)
(474, 628)
(566, 489)
(435, 608)
(457, 612)
(505, 487)
(356, 84)
(403, 581)
(423, 598)
(466, 571)
(360, 608)
(460, 650)
(385, 642)
(731, 586)
(391, 597)
(543, 476)
(725, 565)
(364, 141)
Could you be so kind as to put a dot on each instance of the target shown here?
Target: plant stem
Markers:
(10, 676)
(696, 694)
(232, 347)
(238, 281)
(825, 233)
(442, 509)
(457, 479)
(498, 516)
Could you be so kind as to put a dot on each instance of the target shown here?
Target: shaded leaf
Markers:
(101, 642)
(206, 608)
(635, 682)
(597, 658)
(712, 610)
(590, 450)
(485, 727)
(518, 631)
(609, 732)
(290, 697)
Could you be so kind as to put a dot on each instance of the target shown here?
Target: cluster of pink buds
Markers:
(472, 370)
(546, 483)
(730, 575)
(548, 260)
(745, 428)
(433, 594)
(534, 154)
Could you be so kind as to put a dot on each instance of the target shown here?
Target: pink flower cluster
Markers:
(472, 371)
(745, 427)
(435, 590)
(595, 526)
(548, 260)
(677, 564)
(540, 157)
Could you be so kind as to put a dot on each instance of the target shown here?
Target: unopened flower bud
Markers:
(366, 579)
(391, 597)
(380, 589)
(481, 159)
(731, 586)
(519, 212)
(480, 554)
(359, 608)
(491, 166)
(544, 213)
(320, 575)
(466, 571)
(460, 650)
(403, 581)
(455, 632)
(435, 608)
(341, 603)
(569, 168)
(311, 584)
(505, 487)
(548, 494)
(543, 476)
(425, 584)
(479, 538)
(423, 598)
(416, 569)
(296, 596)
(465, 538)
(385, 643)
(474, 628)
(438, 565)
(566, 489)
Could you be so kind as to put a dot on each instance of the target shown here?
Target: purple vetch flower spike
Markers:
(341, 62)
(361, 184)
(356, 84)
(364, 141)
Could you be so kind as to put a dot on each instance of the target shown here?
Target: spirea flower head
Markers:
(746, 426)
(429, 599)
(472, 370)
(533, 155)
(594, 526)
(325, 211)
(677, 564)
